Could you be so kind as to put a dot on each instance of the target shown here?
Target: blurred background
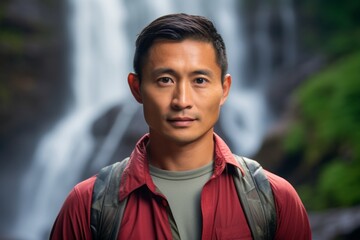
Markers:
(66, 111)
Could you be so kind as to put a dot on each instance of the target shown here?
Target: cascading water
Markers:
(246, 116)
(99, 67)
(102, 33)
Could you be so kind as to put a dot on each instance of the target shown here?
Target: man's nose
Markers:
(182, 97)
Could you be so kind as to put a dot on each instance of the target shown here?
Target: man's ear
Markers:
(226, 85)
(134, 84)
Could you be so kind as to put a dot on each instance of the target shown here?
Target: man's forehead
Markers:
(165, 52)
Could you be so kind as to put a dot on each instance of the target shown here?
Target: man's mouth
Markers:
(181, 121)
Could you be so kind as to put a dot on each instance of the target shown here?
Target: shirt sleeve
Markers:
(292, 219)
(73, 220)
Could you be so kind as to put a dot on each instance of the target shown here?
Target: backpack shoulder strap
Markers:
(253, 189)
(257, 199)
(106, 209)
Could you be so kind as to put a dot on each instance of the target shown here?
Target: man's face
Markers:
(181, 90)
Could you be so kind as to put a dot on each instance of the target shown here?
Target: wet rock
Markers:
(336, 224)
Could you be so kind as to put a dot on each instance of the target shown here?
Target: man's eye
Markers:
(200, 80)
(165, 80)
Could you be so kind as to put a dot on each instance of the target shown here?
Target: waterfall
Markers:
(102, 35)
(246, 115)
(98, 80)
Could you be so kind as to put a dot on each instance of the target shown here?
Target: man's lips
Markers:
(181, 121)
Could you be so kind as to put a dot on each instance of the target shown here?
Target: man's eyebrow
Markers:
(159, 71)
(203, 72)
(171, 71)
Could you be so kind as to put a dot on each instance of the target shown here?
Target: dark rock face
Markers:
(33, 78)
(336, 224)
(33, 69)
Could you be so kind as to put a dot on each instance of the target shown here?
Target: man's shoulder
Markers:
(284, 193)
(86, 185)
(82, 192)
(75, 213)
(292, 218)
(279, 185)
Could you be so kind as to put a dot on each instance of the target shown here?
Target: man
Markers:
(178, 181)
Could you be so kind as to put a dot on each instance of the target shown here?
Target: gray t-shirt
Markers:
(183, 191)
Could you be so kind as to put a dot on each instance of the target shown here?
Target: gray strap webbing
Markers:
(257, 199)
(106, 210)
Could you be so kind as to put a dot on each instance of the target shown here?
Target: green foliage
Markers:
(339, 183)
(295, 139)
(310, 197)
(4, 96)
(329, 104)
(337, 186)
(331, 26)
(328, 130)
(12, 40)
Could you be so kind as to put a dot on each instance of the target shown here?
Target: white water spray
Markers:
(100, 65)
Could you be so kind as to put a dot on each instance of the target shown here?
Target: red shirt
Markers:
(146, 214)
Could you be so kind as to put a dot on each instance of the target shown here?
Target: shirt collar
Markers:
(137, 174)
(223, 156)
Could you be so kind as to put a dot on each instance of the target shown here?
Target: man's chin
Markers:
(185, 139)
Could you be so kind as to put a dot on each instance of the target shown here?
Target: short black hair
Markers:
(179, 27)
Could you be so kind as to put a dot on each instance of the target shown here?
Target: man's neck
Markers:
(173, 156)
